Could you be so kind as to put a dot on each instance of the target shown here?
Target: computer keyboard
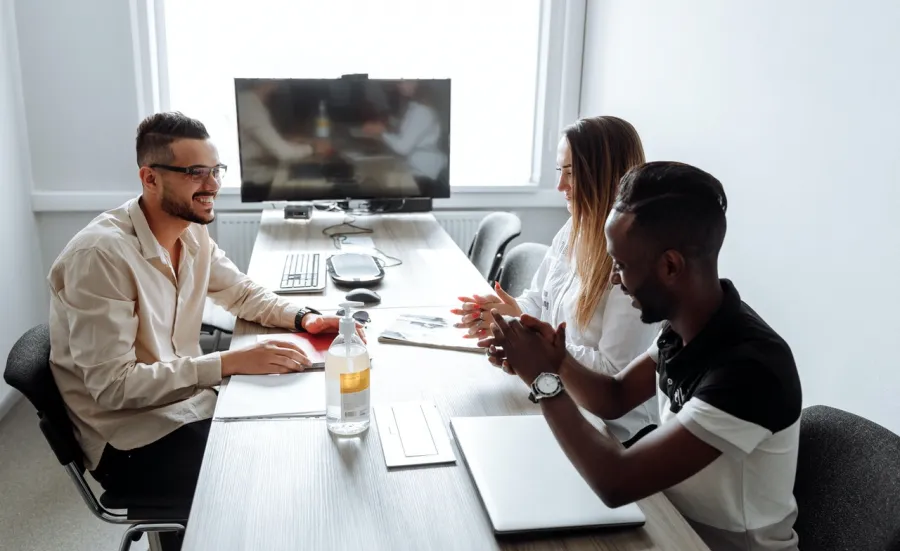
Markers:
(301, 271)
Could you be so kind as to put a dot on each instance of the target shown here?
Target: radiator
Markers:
(236, 231)
(236, 234)
(461, 225)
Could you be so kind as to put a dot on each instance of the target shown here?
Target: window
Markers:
(491, 49)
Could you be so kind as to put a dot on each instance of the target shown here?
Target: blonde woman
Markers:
(603, 331)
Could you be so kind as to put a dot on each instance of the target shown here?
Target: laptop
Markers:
(526, 482)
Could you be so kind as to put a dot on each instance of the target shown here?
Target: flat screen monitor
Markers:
(341, 139)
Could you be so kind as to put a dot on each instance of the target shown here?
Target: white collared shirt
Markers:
(417, 139)
(614, 337)
(125, 330)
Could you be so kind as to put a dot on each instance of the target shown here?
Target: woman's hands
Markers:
(475, 311)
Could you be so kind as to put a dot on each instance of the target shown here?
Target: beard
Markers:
(185, 210)
(654, 302)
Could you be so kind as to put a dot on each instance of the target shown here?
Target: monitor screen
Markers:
(347, 138)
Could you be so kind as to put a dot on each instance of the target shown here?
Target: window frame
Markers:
(558, 94)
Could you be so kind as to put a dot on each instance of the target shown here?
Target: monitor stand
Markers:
(387, 206)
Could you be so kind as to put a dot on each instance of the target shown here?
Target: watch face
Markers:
(547, 384)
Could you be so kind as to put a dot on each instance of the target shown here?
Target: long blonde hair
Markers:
(603, 149)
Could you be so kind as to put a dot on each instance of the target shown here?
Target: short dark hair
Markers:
(157, 132)
(676, 205)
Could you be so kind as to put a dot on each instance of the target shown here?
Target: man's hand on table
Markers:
(316, 324)
(264, 358)
(274, 356)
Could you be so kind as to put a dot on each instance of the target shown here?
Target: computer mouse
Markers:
(366, 296)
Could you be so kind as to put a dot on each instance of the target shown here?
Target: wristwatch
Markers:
(298, 319)
(545, 385)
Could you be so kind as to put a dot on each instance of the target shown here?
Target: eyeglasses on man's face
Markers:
(197, 173)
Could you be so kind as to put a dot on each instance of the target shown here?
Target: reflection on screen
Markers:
(306, 140)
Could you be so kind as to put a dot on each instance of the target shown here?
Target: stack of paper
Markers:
(272, 396)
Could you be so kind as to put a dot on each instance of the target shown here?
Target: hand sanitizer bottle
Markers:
(323, 123)
(347, 379)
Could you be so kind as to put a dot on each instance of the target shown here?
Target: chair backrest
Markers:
(495, 231)
(848, 483)
(519, 266)
(28, 371)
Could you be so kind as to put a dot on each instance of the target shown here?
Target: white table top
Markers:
(288, 484)
(434, 272)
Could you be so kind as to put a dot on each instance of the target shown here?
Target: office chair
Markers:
(848, 483)
(216, 322)
(495, 231)
(519, 266)
(28, 371)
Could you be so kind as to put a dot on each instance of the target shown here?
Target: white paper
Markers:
(358, 241)
(412, 433)
(272, 396)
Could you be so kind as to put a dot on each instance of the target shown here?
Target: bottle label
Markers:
(354, 395)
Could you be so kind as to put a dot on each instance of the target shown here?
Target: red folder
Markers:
(315, 346)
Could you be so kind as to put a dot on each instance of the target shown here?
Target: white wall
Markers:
(81, 99)
(22, 289)
(81, 105)
(794, 107)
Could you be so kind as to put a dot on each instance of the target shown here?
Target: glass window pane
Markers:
(489, 48)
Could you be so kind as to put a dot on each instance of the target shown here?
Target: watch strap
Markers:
(536, 395)
(301, 313)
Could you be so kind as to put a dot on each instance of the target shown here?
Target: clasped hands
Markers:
(517, 343)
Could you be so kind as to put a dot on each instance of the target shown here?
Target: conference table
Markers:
(288, 484)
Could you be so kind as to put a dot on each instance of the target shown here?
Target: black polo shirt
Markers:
(735, 386)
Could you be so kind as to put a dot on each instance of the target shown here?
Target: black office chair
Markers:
(217, 322)
(28, 371)
(848, 483)
(495, 231)
(519, 266)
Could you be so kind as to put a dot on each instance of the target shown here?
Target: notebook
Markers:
(429, 332)
(525, 480)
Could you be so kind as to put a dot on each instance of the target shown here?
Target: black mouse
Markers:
(366, 296)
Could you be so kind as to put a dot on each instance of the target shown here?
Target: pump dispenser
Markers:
(347, 379)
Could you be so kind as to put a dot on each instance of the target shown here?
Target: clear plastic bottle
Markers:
(323, 123)
(347, 379)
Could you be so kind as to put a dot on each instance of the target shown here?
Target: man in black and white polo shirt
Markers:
(725, 452)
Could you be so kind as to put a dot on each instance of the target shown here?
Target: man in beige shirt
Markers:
(127, 297)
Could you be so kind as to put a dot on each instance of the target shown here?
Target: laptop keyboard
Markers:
(301, 271)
